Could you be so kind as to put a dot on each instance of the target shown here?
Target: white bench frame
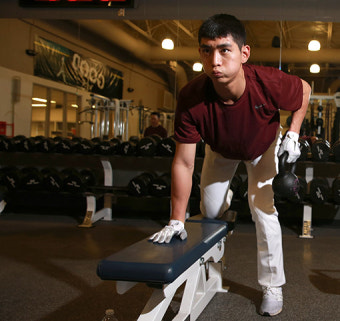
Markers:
(203, 280)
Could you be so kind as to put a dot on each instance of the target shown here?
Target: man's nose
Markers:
(216, 58)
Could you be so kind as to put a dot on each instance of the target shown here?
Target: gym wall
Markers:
(18, 35)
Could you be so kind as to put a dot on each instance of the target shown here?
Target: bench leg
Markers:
(156, 306)
(202, 281)
(199, 290)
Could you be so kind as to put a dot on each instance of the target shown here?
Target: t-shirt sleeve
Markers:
(287, 91)
(185, 130)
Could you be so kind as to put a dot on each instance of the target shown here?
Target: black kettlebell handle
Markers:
(283, 161)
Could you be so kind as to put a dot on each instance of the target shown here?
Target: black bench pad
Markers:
(156, 263)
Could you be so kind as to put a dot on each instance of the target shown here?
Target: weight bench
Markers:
(165, 267)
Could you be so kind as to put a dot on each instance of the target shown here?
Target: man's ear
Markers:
(245, 51)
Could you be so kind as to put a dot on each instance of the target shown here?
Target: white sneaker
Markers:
(272, 301)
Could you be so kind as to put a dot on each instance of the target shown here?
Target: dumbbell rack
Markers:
(118, 170)
(307, 209)
(92, 215)
(309, 170)
(95, 162)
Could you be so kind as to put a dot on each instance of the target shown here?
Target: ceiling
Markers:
(140, 30)
(143, 39)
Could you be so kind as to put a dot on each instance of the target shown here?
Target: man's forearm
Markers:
(181, 182)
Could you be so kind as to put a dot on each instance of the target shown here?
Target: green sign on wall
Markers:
(58, 63)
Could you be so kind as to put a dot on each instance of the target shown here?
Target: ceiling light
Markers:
(38, 105)
(39, 99)
(314, 69)
(314, 45)
(168, 44)
(197, 66)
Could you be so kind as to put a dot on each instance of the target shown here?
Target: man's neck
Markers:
(232, 91)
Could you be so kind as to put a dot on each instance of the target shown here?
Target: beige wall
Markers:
(18, 35)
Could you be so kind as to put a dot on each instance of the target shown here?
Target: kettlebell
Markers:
(286, 184)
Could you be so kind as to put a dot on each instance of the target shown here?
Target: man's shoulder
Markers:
(259, 71)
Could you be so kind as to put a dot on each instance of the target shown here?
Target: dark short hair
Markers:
(156, 113)
(223, 25)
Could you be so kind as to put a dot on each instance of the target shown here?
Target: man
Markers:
(235, 107)
(156, 128)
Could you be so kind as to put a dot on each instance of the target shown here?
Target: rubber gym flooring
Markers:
(48, 271)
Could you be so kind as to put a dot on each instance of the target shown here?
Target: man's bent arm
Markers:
(299, 115)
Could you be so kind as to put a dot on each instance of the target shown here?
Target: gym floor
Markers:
(48, 271)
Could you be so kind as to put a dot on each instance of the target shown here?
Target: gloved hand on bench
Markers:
(174, 228)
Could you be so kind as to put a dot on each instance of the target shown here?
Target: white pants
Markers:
(217, 173)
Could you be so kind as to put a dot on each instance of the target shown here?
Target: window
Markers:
(54, 112)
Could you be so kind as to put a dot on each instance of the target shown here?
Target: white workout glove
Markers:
(291, 145)
(174, 228)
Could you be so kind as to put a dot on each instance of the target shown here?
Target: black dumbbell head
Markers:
(320, 150)
(319, 190)
(336, 190)
(139, 185)
(167, 147)
(161, 186)
(147, 146)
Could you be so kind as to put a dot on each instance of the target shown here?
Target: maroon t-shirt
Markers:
(159, 130)
(245, 129)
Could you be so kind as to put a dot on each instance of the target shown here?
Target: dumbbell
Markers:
(31, 178)
(6, 144)
(83, 146)
(157, 138)
(52, 179)
(336, 151)
(200, 149)
(319, 190)
(23, 144)
(96, 140)
(167, 147)
(11, 177)
(147, 146)
(64, 145)
(107, 147)
(140, 184)
(243, 190)
(196, 185)
(336, 190)
(304, 149)
(319, 127)
(77, 181)
(320, 150)
(44, 144)
(128, 148)
(235, 185)
(161, 185)
(3, 197)
(301, 195)
(88, 177)
(134, 139)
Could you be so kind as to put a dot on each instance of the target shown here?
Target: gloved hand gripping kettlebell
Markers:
(286, 183)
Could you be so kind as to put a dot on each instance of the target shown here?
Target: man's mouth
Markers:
(216, 74)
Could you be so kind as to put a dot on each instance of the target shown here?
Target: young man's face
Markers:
(222, 58)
